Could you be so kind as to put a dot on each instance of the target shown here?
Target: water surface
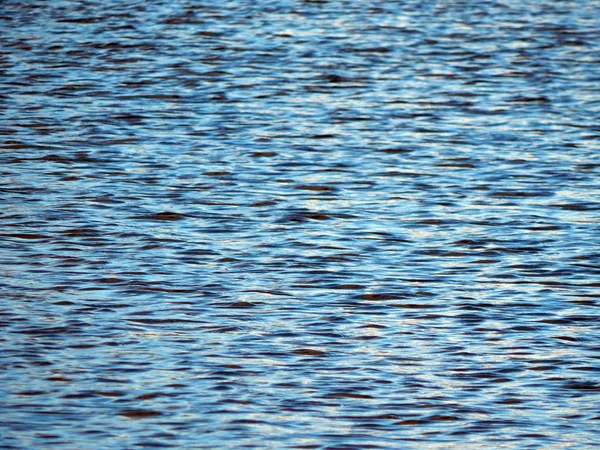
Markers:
(300, 224)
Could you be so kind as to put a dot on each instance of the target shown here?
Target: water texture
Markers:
(300, 224)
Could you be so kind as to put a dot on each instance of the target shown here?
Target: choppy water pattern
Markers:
(300, 224)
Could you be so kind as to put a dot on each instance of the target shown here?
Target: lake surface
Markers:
(300, 224)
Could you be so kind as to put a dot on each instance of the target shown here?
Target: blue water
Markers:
(299, 224)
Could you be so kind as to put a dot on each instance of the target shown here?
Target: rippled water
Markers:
(300, 224)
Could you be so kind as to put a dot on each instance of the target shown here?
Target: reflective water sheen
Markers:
(343, 224)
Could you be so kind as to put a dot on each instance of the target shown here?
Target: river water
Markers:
(300, 224)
